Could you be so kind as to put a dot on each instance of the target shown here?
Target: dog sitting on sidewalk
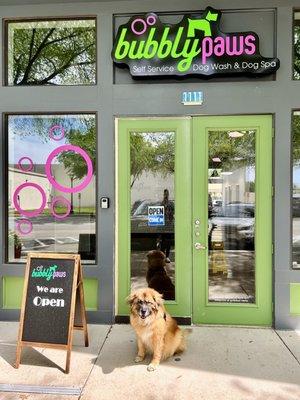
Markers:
(157, 332)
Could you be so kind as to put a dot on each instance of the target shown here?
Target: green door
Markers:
(154, 208)
(200, 190)
(232, 220)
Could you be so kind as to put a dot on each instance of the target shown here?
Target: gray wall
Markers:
(278, 97)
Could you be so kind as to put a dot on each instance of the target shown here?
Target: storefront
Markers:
(133, 126)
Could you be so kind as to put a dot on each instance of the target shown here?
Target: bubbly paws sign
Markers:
(195, 46)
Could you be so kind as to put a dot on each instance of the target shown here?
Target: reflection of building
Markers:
(30, 200)
(150, 186)
(237, 186)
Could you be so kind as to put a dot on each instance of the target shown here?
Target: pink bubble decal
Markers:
(55, 128)
(141, 21)
(26, 213)
(30, 166)
(75, 149)
(61, 200)
(151, 20)
(20, 226)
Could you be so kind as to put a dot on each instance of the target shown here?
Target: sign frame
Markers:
(77, 289)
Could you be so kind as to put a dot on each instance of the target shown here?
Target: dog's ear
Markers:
(130, 299)
(158, 298)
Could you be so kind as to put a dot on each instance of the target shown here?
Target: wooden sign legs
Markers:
(78, 318)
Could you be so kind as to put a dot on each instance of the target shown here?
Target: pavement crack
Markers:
(95, 361)
(284, 343)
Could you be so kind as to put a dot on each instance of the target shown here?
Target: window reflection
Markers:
(52, 52)
(152, 162)
(231, 211)
(296, 46)
(296, 190)
(51, 185)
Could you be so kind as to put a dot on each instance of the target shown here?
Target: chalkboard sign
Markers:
(53, 303)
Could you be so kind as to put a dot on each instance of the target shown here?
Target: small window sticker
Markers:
(156, 215)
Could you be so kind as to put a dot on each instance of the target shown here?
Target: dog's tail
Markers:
(187, 332)
(183, 344)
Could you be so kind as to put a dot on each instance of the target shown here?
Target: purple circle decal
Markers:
(21, 229)
(151, 20)
(54, 128)
(60, 199)
(21, 167)
(33, 213)
(76, 149)
(138, 20)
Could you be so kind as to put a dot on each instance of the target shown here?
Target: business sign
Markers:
(194, 46)
(53, 303)
(156, 215)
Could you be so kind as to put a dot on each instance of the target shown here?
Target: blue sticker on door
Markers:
(156, 215)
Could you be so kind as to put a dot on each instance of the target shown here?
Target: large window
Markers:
(296, 189)
(51, 52)
(51, 180)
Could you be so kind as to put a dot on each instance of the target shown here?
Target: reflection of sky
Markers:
(250, 174)
(31, 146)
(28, 140)
(296, 176)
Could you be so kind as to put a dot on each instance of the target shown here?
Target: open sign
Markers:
(156, 215)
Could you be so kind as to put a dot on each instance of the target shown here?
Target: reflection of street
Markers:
(139, 267)
(60, 236)
(296, 242)
(238, 285)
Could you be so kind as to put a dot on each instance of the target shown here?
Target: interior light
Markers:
(227, 173)
(235, 134)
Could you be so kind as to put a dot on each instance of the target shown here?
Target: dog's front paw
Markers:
(152, 367)
(138, 359)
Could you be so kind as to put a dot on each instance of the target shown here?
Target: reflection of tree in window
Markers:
(297, 49)
(153, 152)
(233, 152)
(52, 52)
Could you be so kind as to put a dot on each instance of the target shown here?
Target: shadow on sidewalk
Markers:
(30, 356)
(238, 352)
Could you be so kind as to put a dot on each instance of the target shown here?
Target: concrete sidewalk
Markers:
(221, 363)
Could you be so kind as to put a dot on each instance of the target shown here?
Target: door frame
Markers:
(181, 307)
(259, 313)
(190, 282)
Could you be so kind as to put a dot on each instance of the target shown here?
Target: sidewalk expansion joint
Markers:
(284, 343)
(95, 361)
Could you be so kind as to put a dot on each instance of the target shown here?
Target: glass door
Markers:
(232, 220)
(154, 210)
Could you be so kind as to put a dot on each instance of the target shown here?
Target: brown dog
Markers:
(157, 277)
(157, 332)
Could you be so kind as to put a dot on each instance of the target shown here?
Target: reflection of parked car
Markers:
(296, 206)
(217, 203)
(233, 224)
(143, 236)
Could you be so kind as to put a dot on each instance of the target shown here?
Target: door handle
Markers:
(199, 246)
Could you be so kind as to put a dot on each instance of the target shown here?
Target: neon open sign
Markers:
(195, 46)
